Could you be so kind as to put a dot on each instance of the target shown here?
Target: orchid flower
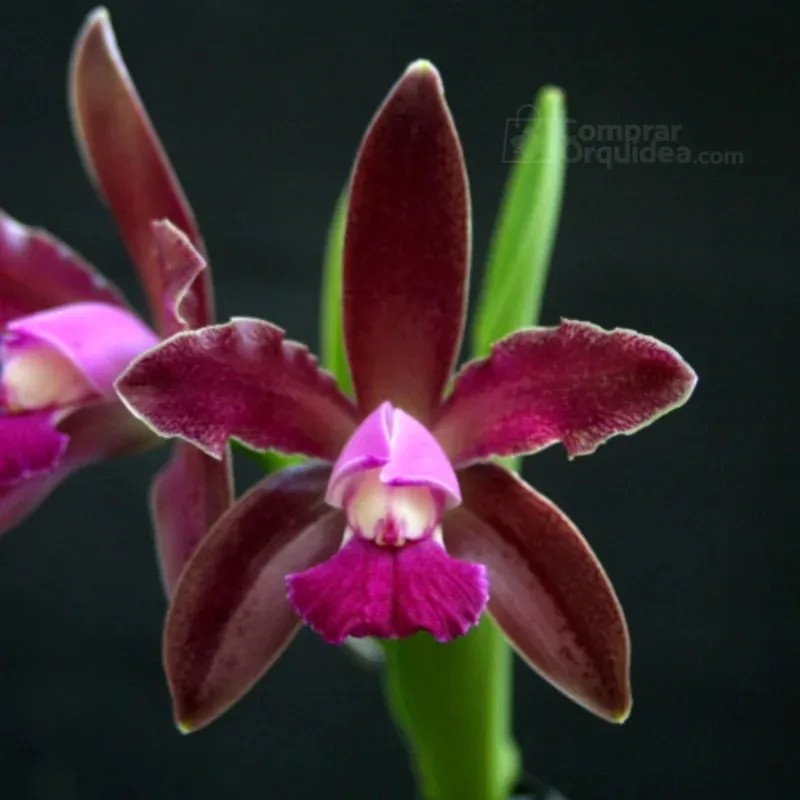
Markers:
(401, 523)
(67, 333)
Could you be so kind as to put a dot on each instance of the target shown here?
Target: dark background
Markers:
(261, 106)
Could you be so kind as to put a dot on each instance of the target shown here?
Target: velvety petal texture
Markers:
(576, 383)
(38, 272)
(230, 617)
(549, 593)
(99, 340)
(241, 380)
(406, 249)
(125, 158)
(187, 497)
(372, 590)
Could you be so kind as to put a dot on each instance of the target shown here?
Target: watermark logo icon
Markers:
(616, 144)
(514, 138)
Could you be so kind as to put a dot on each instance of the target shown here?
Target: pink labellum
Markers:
(403, 448)
(30, 445)
(371, 590)
(97, 340)
(35, 456)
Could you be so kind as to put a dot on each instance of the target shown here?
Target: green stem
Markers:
(453, 703)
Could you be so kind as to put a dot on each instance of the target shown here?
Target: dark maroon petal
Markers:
(406, 249)
(181, 266)
(125, 158)
(38, 272)
(230, 618)
(95, 432)
(187, 497)
(547, 589)
(576, 383)
(30, 445)
(239, 380)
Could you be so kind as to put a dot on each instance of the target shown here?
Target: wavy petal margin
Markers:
(124, 157)
(547, 590)
(239, 380)
(406, 253)
(230, 617)
(181, 266)
(575, 383)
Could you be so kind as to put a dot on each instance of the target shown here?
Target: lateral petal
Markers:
(576, 383)
(242, 380)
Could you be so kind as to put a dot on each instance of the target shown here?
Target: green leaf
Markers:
(334, 356)
(525, 229)
(269, 460)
